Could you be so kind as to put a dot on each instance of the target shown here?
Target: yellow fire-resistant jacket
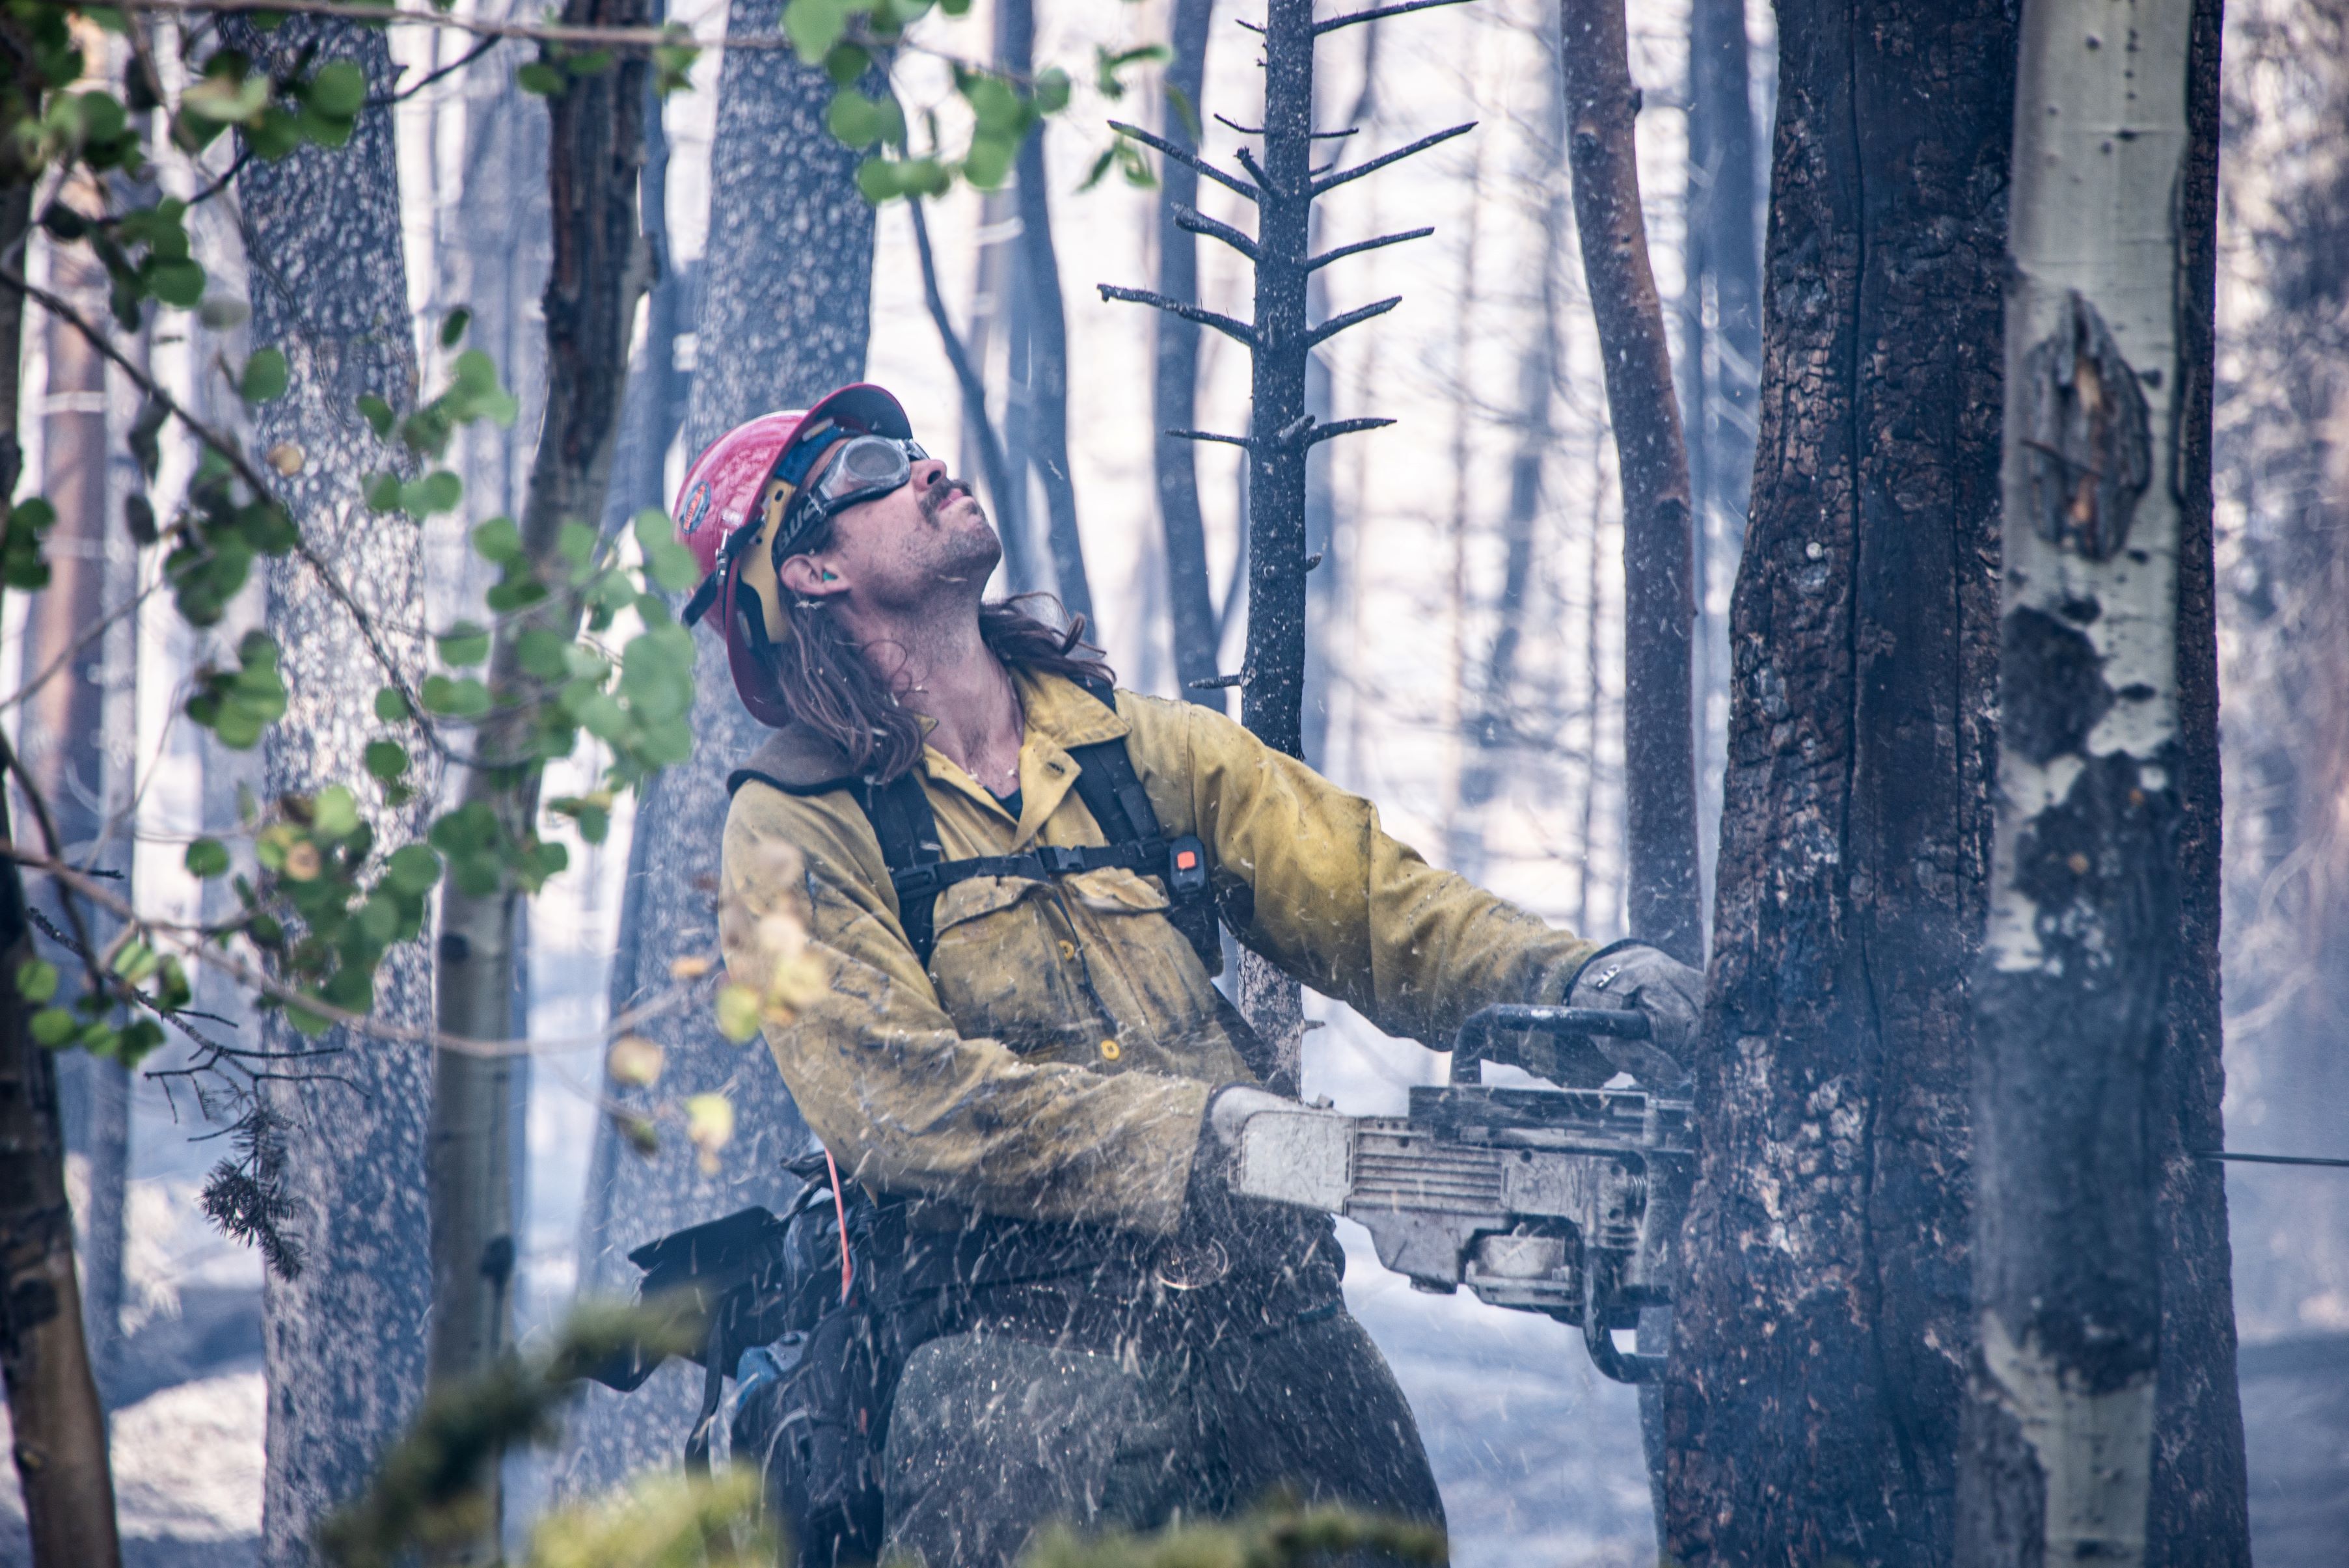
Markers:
(1055, 1061)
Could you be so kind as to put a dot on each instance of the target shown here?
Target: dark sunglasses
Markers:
(868, 466)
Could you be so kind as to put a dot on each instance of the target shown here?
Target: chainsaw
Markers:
(1556, 1201)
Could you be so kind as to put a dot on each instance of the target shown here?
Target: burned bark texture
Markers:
(1821, 1326)
(785, 299)
(1659, 609)
(343, 1342)
(2199, 1516)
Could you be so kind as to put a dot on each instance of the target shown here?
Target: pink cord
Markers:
(840, 1208)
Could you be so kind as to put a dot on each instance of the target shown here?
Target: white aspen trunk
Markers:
(2084, 915)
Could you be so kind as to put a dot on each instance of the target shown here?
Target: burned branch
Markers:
(1434, 138)
(1338, 324)
(1316, 263)
(1196, 223)
(1237, 330)
(1184, 156)
(1350, 17)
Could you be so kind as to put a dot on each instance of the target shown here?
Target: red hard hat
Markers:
(727, 512)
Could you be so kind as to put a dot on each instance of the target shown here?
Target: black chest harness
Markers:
(907, 830)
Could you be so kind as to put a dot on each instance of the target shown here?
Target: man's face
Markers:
(898, 550)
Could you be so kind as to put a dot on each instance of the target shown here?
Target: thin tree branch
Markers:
(1238, 330)
(1210, 435)
(1184, 156)
(1348, 20)
(1358, 246)
(1256, 172)
(632, 39)
(1316, 135)
(412, 88)
(1332, 181)
(1338, 324)
(1197, 222)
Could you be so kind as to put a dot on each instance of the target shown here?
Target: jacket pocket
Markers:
(998, 967)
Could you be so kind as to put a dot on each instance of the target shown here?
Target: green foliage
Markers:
(21, 565)
(426, 1493)
(852, 38)
(237, 704)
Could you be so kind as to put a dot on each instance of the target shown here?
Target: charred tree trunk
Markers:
(1036, 275)
(344, 1340)
(1820, 1329)
(595, 148)
(2100, 1261)
(56, 1426)
(786, 283)
(1658, 611)
(1007, 485)
(1176, 381)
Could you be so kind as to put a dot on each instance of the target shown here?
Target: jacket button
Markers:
(1109, 1050)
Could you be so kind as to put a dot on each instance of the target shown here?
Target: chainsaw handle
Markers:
(1469, 1049)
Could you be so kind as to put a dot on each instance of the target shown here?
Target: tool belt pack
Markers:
(817, 1311)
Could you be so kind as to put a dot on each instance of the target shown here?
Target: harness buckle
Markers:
(1187, 867)
(1059, 859)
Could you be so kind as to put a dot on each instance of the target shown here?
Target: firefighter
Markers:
(1012, 878)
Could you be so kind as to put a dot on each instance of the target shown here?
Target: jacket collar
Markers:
(800, 762)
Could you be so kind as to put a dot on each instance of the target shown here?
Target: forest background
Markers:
(1467, 644)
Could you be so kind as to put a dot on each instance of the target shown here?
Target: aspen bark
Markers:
(2077, 1000)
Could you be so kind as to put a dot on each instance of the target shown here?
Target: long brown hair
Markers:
(830, 686)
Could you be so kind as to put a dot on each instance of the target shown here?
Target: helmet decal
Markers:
(696, 508)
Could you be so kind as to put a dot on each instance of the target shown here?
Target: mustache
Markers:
(938, 495)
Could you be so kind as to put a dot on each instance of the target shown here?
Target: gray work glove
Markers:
(1631, 976)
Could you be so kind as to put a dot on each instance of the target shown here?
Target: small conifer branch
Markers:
(1358, 246)
(1240, 331)
(1338, 324)
(1332, 181)
(1184, 156)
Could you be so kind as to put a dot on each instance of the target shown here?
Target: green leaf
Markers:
(391, 706)
(989, 163)
(854, 119)
(379, 415)
(207, 858)
(452, 329)
(1101, 167)
(540, 77)
(386, 759)
(264, 377)
(52, 1028)
(498, 541)
(36, 980)
(466, 698)
(1051, 91)
(334, 813)
(383, 492)
(411, 870)
(845, 63)
(339, 91)
(179, 283)
(813, 26)
(436, 491)
(464, 645)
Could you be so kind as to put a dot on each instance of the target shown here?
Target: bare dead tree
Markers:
(1659, 609)
(1282, 431)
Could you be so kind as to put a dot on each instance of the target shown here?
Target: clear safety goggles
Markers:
(867, 466)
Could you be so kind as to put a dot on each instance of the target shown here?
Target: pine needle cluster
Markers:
(246, 1196)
